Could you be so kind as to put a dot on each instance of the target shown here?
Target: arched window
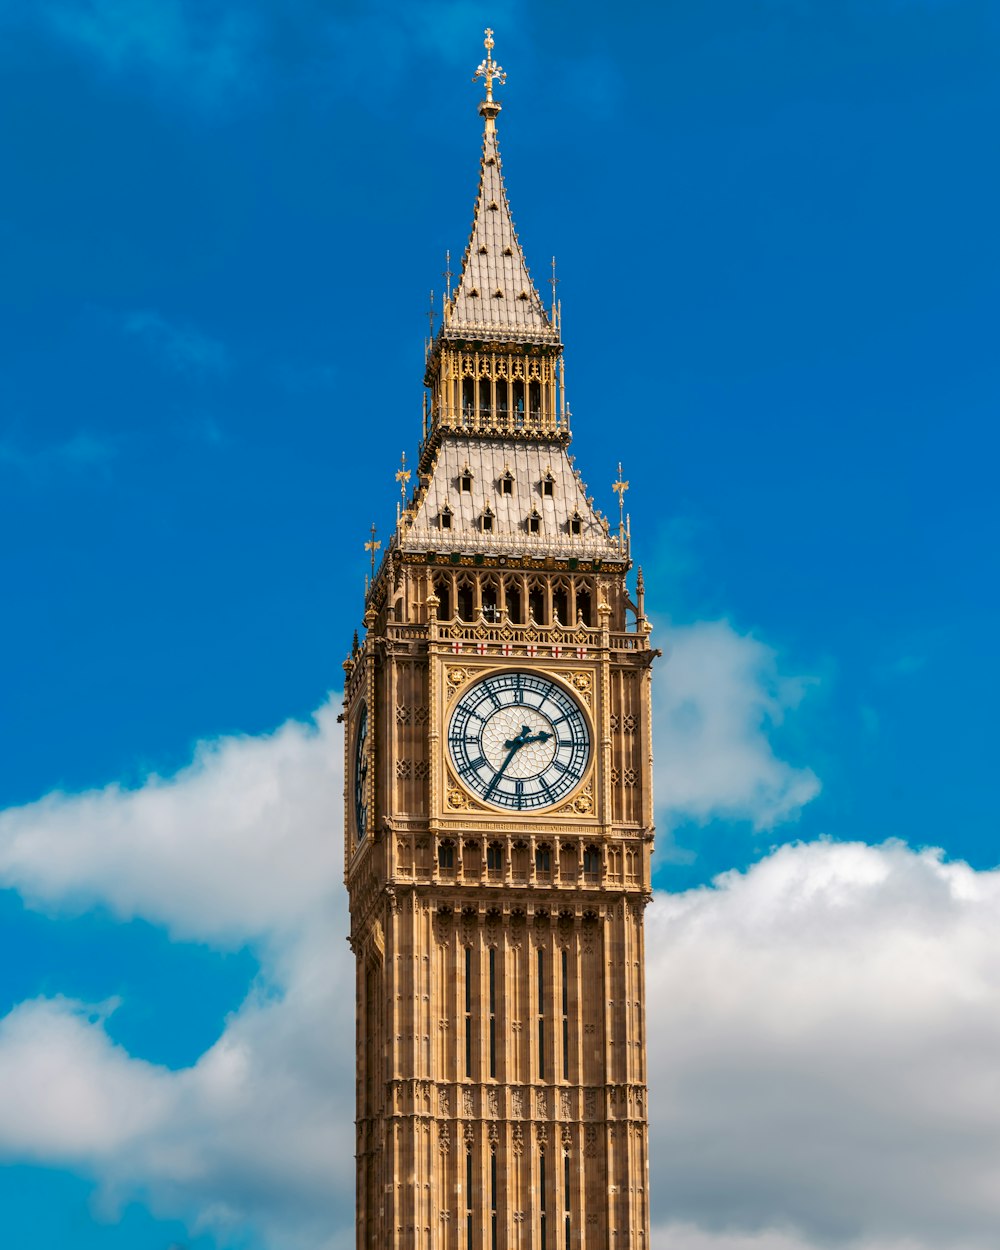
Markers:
(490, 592)
(536, 604)
(591, 861)
(442, 588)
(543, 857)
(446, 855)
(515, 609)
(465, 600)
(494, 857)
(560, 603)
(584, 606)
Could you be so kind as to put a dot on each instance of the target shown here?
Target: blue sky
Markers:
(775, 224)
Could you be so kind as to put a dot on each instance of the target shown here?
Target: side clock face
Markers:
(519, 740)
(361, 775)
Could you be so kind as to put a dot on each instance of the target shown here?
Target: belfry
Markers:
(499, 819)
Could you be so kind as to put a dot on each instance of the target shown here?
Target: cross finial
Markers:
(554, 282)
(488, 69)
(373, 546)
(620, 487)
(430, 313)
(403, 476)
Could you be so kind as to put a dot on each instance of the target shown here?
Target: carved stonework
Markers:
(480, 927)
(455, 678)
(583, 683)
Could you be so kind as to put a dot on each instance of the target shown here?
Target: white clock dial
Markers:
(519, 740)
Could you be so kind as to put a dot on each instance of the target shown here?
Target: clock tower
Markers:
(499, 819)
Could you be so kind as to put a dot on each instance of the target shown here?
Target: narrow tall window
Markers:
(493, 1200)
(566, 1197)
(565, 1014)
(493, 1012)
(494, 857)
(542, 1241)
(468, 1199)
(468, 1011)
(541, 1014)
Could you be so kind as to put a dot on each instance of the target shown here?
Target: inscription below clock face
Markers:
(519, 740)
(361, 776)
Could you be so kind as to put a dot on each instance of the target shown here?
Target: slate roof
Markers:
(528, 463)
(495, 294)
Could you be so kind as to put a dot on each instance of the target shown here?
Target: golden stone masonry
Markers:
(499, 805)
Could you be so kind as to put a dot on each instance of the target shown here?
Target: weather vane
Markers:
(488, 69)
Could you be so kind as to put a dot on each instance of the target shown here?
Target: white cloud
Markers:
(241, 844)
(823, 1029)
(825, 1032)
(244, 844)
(717, 695)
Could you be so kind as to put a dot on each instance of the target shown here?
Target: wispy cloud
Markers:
(200, 51)
(181, 348)
(82, 453)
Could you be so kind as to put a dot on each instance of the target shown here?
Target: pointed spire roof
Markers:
(495, 295)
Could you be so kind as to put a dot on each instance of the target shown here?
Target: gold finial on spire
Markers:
(373, 546)
(447, 275)
(489, 70)
(620, 487)
(403, 476)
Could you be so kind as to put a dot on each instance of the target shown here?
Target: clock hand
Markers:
(514, 745)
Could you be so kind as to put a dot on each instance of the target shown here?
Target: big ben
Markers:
(499, 820)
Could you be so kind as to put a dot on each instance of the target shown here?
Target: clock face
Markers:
(519, 740)
(361, 775)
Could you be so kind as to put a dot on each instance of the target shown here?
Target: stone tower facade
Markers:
(499, 806)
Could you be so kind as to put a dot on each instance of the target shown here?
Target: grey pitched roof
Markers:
(528, 463)
(495, 293)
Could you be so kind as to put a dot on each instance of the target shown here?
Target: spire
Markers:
(495, 295)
